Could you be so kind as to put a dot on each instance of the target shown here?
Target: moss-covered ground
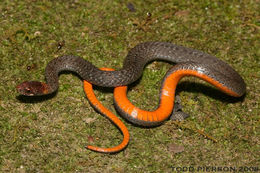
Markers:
(49, 134)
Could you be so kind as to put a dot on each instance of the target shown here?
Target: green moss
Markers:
(49, 135)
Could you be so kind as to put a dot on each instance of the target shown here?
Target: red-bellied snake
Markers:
(189, 62)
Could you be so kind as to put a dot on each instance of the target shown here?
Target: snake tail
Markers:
(100, 108)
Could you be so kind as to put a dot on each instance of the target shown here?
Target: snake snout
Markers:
(31, 88)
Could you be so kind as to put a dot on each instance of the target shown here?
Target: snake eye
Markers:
(27, 90)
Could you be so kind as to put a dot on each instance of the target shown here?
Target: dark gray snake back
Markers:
(135, 61)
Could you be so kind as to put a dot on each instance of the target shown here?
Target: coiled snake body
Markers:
(188, 62)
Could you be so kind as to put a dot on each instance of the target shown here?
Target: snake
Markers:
(188, 62)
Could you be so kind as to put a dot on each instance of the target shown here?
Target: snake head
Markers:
(32, 88)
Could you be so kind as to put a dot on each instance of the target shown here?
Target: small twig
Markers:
(250, 24)
(180, 124)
